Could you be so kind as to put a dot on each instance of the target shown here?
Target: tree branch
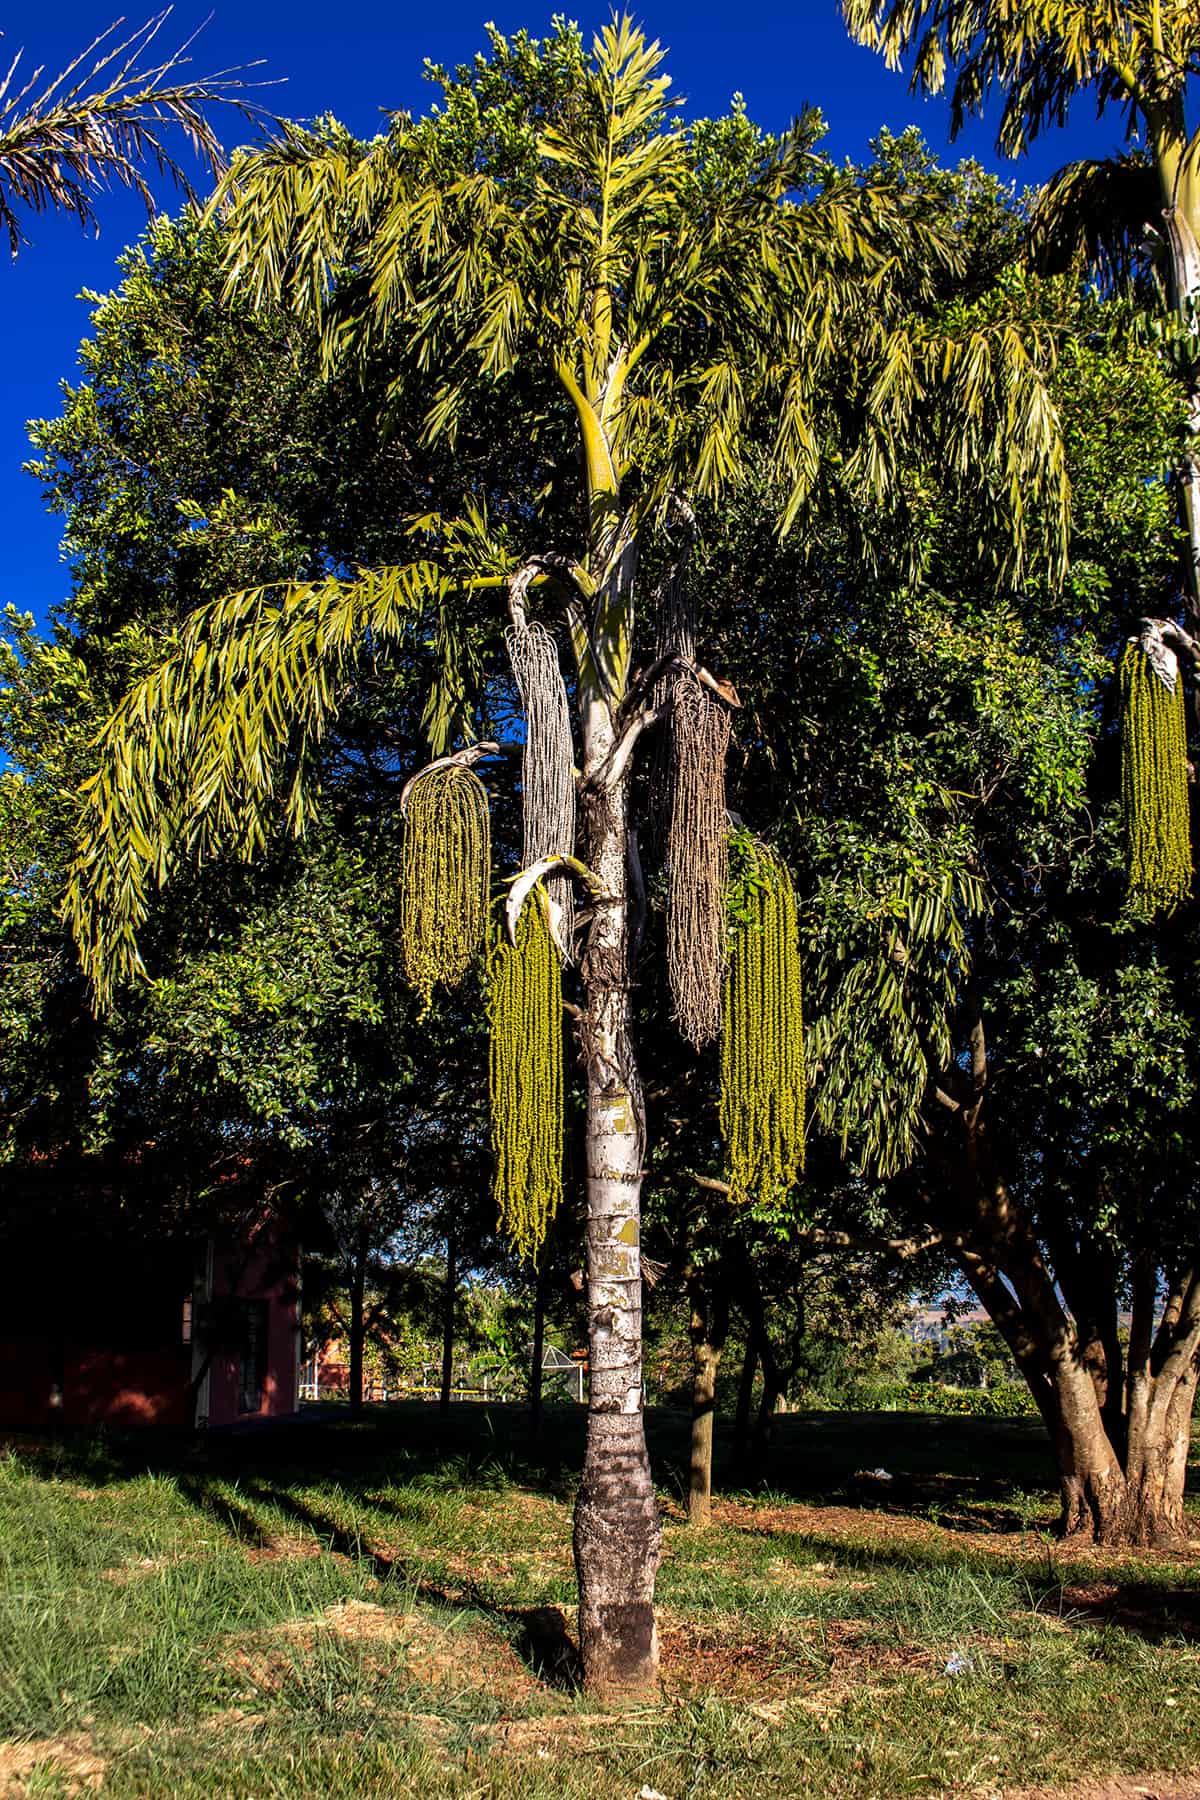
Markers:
(904, 1248)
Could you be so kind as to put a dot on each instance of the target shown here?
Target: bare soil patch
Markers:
(705, 1659)
(1109, 1787)
(865, 1527)
(288, 1547)
(431, 1652)
(72, 1759)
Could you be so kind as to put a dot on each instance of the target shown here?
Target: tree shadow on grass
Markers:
(538, 1634)
(210, 1496)
(1061, 1586)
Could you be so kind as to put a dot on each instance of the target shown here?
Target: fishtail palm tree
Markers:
(673, 292)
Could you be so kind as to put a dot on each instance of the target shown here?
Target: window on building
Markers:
(186, 1337)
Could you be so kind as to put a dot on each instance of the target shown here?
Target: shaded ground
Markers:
(387, 1609)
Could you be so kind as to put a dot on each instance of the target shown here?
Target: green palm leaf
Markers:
(203, 754)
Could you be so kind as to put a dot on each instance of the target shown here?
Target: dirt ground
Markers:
(1112, 1787)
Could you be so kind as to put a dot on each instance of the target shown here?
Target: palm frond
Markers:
(83, 131)
(203, 754)
(1102, 214)
(1040, 54)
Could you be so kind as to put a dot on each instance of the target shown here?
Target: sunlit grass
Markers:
(381, 1610)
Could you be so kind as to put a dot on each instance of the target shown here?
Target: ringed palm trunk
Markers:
(618, 1529)
(1181, 217)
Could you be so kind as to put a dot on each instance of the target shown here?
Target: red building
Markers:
(170, 1333)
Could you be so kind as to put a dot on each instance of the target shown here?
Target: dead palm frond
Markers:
(84, 131)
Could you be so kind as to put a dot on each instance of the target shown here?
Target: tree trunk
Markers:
(358, 1332)
(709, 1326)
(536, 1355)
(760, 1443)
(448, 1328)
(745, 1393)
(1113, 1498)
(618, 1529)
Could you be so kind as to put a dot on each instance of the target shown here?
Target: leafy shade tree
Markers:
(85, 130)
(640, 294)
(1139, 56)
(987, 1030)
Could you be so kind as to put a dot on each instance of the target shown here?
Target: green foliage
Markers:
(1154, 784)
(763, 1078)
(525, 1015)
(892, 922)
(202, 454)
(1011, 1401)
(254, 675)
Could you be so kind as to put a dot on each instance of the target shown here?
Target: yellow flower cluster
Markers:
(762, 1039)
(525, 1016)
(444, 878)
(1154, 784)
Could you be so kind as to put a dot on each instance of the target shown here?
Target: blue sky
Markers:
(359, 56)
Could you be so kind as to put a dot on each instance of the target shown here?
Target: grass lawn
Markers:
(382, 1609)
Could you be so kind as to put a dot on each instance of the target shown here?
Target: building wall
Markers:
(261, 1273)
(118, 1334)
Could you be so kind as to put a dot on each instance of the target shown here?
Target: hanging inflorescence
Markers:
(762, 1041)
(1154, 784)
(697, 859)
(547, 764)
(444, 877)
(525, 1017)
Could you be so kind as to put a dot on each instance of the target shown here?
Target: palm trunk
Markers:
(709, 1325)
(1181, 236)
(618, 1529)
(448, 1328)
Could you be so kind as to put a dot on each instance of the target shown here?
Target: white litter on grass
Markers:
(959, 1665)
(882, 1475)
(649, 1793)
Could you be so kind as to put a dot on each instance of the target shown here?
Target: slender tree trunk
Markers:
(708, 1330)
(536, 1355)
(745, 1393)
(760, 1442)
(358, 1332)
(448, 1327)
(618, 1529)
